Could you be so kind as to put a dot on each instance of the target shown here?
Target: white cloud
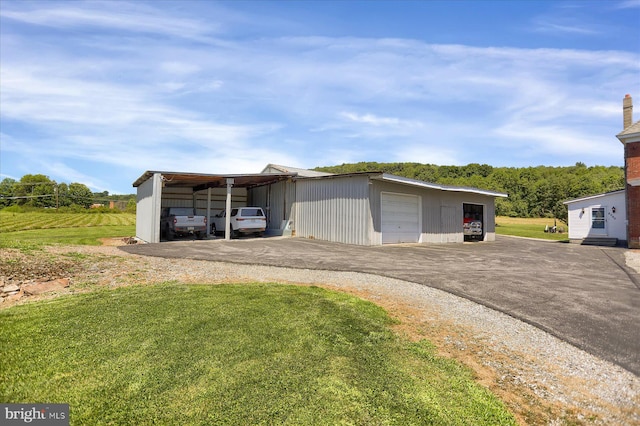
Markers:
(179, 68)
(170, 102)
(122, 16)
(371, 119)
(553, 27)
(555, 140)
(628, 4)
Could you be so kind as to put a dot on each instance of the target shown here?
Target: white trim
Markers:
(593, 197)
(422, 184)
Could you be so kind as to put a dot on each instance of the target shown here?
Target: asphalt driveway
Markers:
(582, 294)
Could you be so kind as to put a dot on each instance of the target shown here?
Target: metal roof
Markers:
(412, 182)
(299, 171)
(589, 197)
(422, 184)
(199, 181)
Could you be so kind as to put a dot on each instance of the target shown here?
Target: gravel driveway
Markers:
(584, 295)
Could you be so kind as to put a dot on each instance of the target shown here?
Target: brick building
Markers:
(630, 137)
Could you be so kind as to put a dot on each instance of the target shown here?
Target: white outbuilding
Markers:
(598, 219)
(368, 208)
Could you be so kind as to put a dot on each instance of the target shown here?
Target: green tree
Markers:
(80, 194)
(131, 205)
(533, 191)
(35, 190)
(63, 199)
(7, 190)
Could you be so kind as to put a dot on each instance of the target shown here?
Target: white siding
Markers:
(148, 198)
(615, 222)
(334, 209)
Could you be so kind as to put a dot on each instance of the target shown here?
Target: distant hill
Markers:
(533, 191)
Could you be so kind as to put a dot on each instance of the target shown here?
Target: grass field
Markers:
(231, 354)
(45, 228)
(530, 227)
(42, 228)
(10, 221)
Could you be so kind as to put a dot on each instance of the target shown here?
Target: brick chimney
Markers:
(627, 111)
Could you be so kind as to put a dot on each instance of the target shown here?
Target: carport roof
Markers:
(199, 181)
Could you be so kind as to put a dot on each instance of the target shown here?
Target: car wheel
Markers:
(213, 229)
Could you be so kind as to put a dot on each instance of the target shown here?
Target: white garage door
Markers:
(400, 218)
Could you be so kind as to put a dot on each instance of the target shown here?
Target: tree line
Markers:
(533, 191)
(39, 191)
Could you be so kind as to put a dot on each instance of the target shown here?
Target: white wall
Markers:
(615, 223)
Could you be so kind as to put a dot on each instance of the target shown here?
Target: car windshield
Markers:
(252, 212)
(181, 211)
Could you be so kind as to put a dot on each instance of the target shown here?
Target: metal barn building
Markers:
(369, 208)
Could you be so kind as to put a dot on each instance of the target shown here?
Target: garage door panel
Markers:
(400, 218)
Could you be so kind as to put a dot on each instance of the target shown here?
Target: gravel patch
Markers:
(542, 379)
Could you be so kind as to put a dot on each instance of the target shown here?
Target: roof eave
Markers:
(590, 197)
(630, 137)
(448, 188)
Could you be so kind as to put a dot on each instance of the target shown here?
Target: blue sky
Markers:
(97, 92)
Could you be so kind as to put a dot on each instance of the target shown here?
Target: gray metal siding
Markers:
(218, 200)
(276, 199)
(185, 197)
(335, 209)
(148, 198)
(442, 213)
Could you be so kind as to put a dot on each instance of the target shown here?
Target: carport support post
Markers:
(227, 218)
(208, 211)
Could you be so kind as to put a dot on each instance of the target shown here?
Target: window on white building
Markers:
(597, 218)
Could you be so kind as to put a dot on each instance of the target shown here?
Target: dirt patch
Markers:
(17, 267)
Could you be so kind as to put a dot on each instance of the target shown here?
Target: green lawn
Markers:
(33, 229)
(49, 227)
(46, 219)
(231, 354)
(530, 227)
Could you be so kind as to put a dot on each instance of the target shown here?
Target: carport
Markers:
(203, 192)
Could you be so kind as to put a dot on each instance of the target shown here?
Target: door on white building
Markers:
(598, 221)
